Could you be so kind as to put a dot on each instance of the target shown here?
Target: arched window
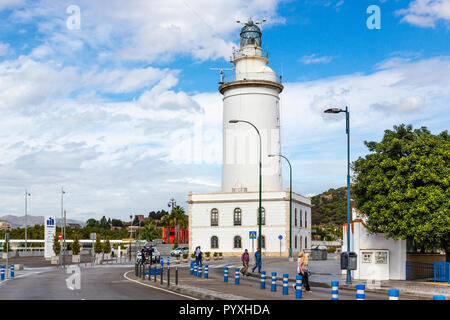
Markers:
(214, 242)
(214, 217)
(306, 219)
(237, 242)
(263, 216)
(237, 217)
(296, 240)
(301, 243)
(295, 215)
(301, 216)
(306, 242)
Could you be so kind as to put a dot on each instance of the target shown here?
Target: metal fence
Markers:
(442, 271)
(419, 270)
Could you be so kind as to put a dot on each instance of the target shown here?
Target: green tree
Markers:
(403, 186)
(76, 244)
(150, 231)
(5, 246)
(98, 246)
(107, 246)
(56, 245)
(92, 223)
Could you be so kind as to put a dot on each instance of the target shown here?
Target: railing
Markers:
(252, 76)
(419, 270)
(442, 271)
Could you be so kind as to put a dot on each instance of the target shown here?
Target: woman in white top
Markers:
(302, 269)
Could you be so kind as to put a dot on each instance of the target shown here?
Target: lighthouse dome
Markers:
(250, 34)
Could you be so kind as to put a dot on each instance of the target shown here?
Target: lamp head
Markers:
(233, 121)
(333, 110)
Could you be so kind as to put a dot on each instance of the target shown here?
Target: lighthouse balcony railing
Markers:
(266, 76)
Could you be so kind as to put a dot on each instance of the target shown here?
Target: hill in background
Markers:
(330, 206)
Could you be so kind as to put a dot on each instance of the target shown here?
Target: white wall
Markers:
(362, 240)
(276, 222)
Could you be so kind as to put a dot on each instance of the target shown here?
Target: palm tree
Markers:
(180, 219)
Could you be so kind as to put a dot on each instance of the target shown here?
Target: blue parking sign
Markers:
(252, 234)
(280, 237)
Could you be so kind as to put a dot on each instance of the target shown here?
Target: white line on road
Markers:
(144, 284)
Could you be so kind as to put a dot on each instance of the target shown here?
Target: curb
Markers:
(193, 293)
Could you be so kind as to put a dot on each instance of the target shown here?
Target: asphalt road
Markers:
(96, 284)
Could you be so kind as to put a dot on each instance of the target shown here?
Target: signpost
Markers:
(60, 236)
(49, 234)
(280, 237)
(252, 235)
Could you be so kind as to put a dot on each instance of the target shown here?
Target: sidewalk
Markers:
(323, 272)
(214, 288)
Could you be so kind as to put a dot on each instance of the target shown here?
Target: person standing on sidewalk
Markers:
(302, 269)
(257, 260)
(245, 261)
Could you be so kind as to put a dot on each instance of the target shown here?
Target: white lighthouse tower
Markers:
(253, 96)
(227, 221)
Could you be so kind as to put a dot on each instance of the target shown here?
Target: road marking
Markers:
(144, 284)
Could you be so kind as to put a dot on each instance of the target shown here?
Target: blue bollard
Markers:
(285, 284)
(273, 286)
(162, 262)
(12, 271)
(334, 290)
(200, 269)
(192, 268)
(438, 297)
(263, 279)
(236, 276)
(360, 295)
(195, 269)
(206, 271)
(168, 261)
(2, 273)
(225, 274)
(393, 294)
(298, 286)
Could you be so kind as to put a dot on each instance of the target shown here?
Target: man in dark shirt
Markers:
(257, 260)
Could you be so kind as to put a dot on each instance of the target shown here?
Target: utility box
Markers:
(349, 260)
(318, 253)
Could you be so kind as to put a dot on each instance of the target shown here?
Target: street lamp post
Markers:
(347, 121)
(290, 200)
(26, 220)
(62, 222)
(260, 178)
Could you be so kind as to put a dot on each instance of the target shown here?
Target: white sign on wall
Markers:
(49, 234)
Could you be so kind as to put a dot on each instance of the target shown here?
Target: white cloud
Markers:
(425, 13)
(150, 31)
(4, 48)
(314, 59)
(8, 4)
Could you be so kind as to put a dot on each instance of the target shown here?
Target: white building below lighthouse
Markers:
(222, 222)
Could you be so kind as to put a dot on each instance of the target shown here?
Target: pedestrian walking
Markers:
(197, 255)
(257, 260)
(245, 261)
(112, 252)
(302, 269)
(200, 258)
(150, 254)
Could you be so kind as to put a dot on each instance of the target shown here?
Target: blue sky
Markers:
(113, 111)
